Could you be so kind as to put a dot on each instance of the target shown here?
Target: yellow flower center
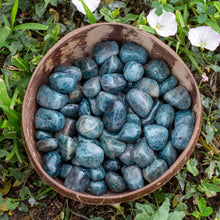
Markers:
(203, 45)
(158, 26)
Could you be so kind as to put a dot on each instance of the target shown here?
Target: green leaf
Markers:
(115, 13)
(142, 19)
(23, 65)
(210, 170)
(207, 212)
(180, 19)
(31, 26)
(3, 153)
(209, 133)
(216, 68)
(143, 217)
(217, 5)
(176, 215)
(210, 189)
(89, 13)
(156, 4)
(0, 198)
(144, 208)
(4, 98)
(130, 17)
(159, 11)
(107, 14)
(202, 18)
(196, 214)
(213, 25)
(174, 1)
(201, 7)
(163, 211)
(211, 10)
(168, 8)
(14, 13)
(147, 29)
(202, 204)
(191, 166)
(185, 14)
(24, 192)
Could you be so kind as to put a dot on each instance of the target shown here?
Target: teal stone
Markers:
(75, 162)
(84, 108)
(40, 135)
(115, 182)
(88, 140)
(133, 118)
(167, 85)
(156, 136)
(133, 52)
(115, 116)
(181, 135)
(128, 87)
(92, 87)
(65, 170)
(104, 99)
(94, 107)
(157, 70)
(89, 155)
(112, 147)
(155, 170)
(89, 126)
(51, 163)
(97, 173)
(148, 85)
(78, 179)
(178, 97)
(112, 65)
(49, 120)
(49, 98)
(121, 97)
(126, 157)
(133, 71)
(72, 70)
(76, 95)
(47, 145)
(133, 177)
(107, 133)
(67, 147)
(68, 129)
(70, 110)
(113, 82)
(130, 133)
(97, 187)
(140, 102)
(165, 115)
(104, 50)
(168, 154)
(142, 154)
(88, 67)
(185, 116)
(112, 165)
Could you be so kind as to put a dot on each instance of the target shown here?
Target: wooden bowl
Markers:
(80, 43)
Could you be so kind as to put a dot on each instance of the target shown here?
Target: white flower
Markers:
(165, 24)
(91, 4)
(205, 77)
(204, 37)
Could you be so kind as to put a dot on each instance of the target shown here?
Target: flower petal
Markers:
(91, 4)
(152, 18)
(168, 30)
(194, 37)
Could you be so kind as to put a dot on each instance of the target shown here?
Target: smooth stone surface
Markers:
(157, 70)
(72, 70)
(70, 110)
(165, 115)
(115, 182)
(78, 179)
(181, 135)
(49, 120)
(65, 170)
(51, 163)
(68, 129)
(49, 98)
(105, 49)
(97, 187)
(185, 116)
(121, 97)
(133, 52)
(89, 126)
(47, 145)
(133, 118)
(115, 116)
(112, 147)
(133, 71)
(88, 140)
(92, 87)
(126, 157)
(139, 101)
(75, 162)
(110, 134)
(133, 177)
(178, 97)
(40, 135)
(76, 95)
(94, 107)
(168, 84)
(156, 136)
(97, 174)
(113, 82)
(104, 99)
(155, 170)
(112, 165)
(84, 108)
(89, 155)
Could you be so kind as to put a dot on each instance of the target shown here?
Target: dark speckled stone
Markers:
(76, 95)
(75, 162)
(65, 170)
(104, 99)
(185, 116)
(133, 71)
(40, 135)
(167, 85)
(126, 157)
(76, 72)
(88, 140)
(133, 118)
(68, 129)
(70, 110)
(84, 108)
(94, 107)
(97, 187)
(98, 173)
(47, 145)
(108, 133)
(112, 165)
(92, 87)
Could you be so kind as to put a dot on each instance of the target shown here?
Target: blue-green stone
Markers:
(70, 110)
(97, 187)
(88, 140)
(168, 84)
(104, 99)
(84, 108)
(76, 95)
(47, 145)
(112, 165)
(122, 97)
(133, 118)
(72, 70)
(97, 173)
(110, 134)
(68, 129)
(133, 71)
(185, 116)
(40, 135)
(92, 87)
(65, 170)
(94, 107)
(128, 87)
(75, 162)
(126, 157)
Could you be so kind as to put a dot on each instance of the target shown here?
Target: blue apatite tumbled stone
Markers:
(181, 135)
(78, 179)
(88, 140)
(126, 157)
(98, 173)
(92, 87)
(121, 96)
(110, 134)
(168, 84)
(112, 147)
(155, 170)
(168, 154)
(115, 116)
(49, 98)
(104, 99)
(165, 115)
(72, 70)
(51, 163)
(75, 162)
(130, 132)
(178, 97)
(113, 82)
(47, 145)
(148, 85)
(94, 107)
(133, 177)
(139, 101)
(133, 52)
(185, 116)
(40, 135)
(115, 182)
(84, 108)
(97, 187)
(88, 67)
(89, 126)
(112, 65)
(70, 110)
(133, 118)
(133, 71)
(89, 155)
(65, 170)
(76, 95)
(68, 129)
(157, 70)
(104, 50)
(112, 165)
(142, 154)
(156, 136)
(49, 120)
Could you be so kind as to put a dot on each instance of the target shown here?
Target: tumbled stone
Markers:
(65, 170)
(70, 110)
(51, 163)
(168, 84)
(133, 71)
(133, 118)
(128, 87)
(126, 157)
(76, 72)
(84, 108)
(178, 97)
(104, 50)
(157, 70)
(92, 87)
(68, 129)
(49, 98)
(110, 134)
(133, 52)
(112, 165)
(104, 99)
(94, 107)
(76, 95)
(77, 179)
(49, 120)
(155, 170)
(121, 97)
(97, 173)
(185, 116)
(156, 136)
(89, 126)
(40, 135)
(88, 140)
(47, 145)
(97, 187)
(139, 101)
(75, 162)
